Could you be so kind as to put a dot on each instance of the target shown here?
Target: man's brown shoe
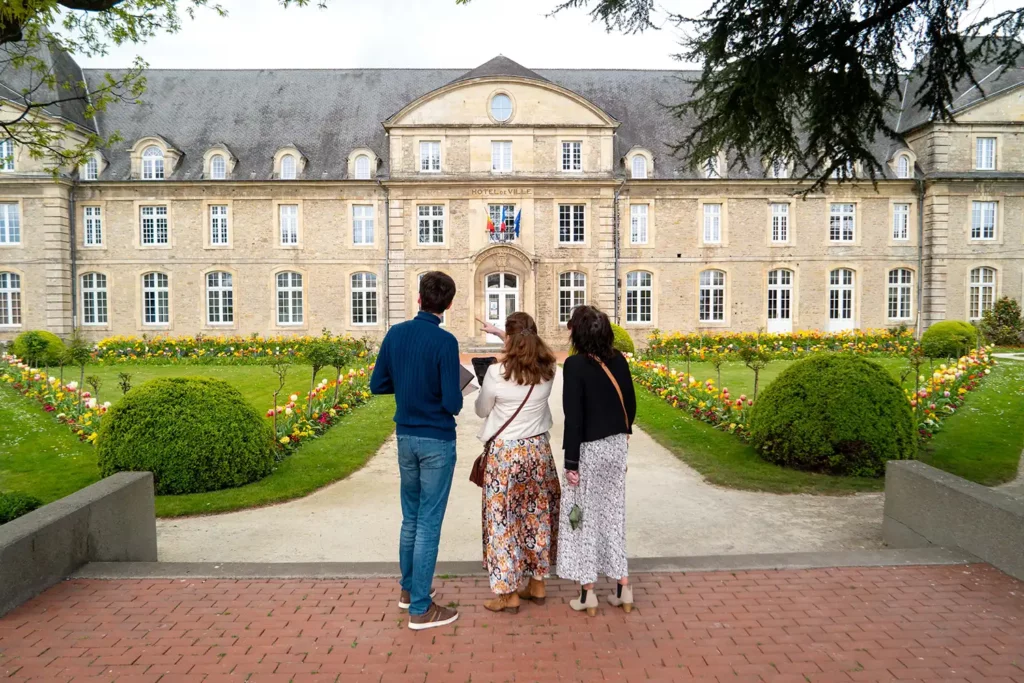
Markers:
(434, 617)
(535, 591)
(404, 600)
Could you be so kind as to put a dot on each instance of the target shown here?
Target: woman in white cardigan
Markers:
(521, 490)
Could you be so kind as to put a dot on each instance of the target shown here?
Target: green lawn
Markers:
(42, 457)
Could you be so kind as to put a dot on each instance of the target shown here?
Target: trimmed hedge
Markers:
(623, 342)
(837, 414)
(194, 434)
(949, 339)
(54, 347)
(14, 505)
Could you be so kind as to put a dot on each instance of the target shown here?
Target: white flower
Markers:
(72, 386)
(287, 411)
(91, 403)
(106, 404)
(293, 398)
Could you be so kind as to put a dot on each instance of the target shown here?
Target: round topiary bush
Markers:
(834, 413)
(623, 342)
(193, 433)
(949, 339)
(14, 505)
(51, 356)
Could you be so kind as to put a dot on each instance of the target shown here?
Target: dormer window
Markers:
(6, 155)
(153, 163)
(92, 169)
(362, 167)
(288, 167)
(903, 166)
(712, 168)
(501, 107)
(639, 170)
(778, 169)
(218, 167)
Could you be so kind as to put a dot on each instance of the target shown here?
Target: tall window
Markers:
(430, 156)
(638, 223)
(218, 224)
(10, 299)
(780, 295)
(92, 168)
(502, 215)
(501, 156)
(6, 155)
(288, 168)
(154, 224)
(572, 156)
(10, 224)
(903, 166)
(901, 222)
(364, 299)
(289, 298)
(638, 296)
(779, 168)
(572, 223)
(220, 298)
(840, 299)
(156, 297)
(639, 167)
(93, 226)
(841, 221)
(985, 154)
(572, 292)
(780, 222)
(362, 167)
(218, 168)
(289, 222)
(431, 223)
(983, 220)
(712, 296)
(712, 168)
(900, 287)
(983, 291)
(94, 299)
(362, 224)
(152, 163)
(712, 223)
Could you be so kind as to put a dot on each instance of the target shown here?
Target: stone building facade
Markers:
(285, 202)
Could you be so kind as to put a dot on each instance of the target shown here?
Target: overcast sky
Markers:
(400, 33)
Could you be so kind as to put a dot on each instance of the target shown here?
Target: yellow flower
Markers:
(285, 440)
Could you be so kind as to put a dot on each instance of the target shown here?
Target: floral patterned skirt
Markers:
(520, 511)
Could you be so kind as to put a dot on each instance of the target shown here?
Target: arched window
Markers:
(218, 167)
(638, 296)
(712, 296)
(572, 292)
(92, 168)
(901, 282)
(983, 291)
(288, 167)
(7, 155)
(364, 299)
(779, 168)
(152, 163)
(780, 301)
(362, 167)
(639, 167)
(220, 298)
(156, 299)
(840, 300)
(712, 168)
(10, 299)
(903, 166)
(94, 299)
(289, 298)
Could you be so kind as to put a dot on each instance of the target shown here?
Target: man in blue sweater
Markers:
(419, 363)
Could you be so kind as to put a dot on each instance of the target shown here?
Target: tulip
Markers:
(293, 398)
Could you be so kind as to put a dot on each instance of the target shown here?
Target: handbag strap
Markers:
(618, 390)
(514, 415)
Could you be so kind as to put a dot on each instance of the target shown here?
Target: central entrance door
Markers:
(502, 300)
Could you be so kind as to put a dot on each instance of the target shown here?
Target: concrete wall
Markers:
(925, 506)
(111, 521)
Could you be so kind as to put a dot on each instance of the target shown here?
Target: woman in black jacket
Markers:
(600, 405)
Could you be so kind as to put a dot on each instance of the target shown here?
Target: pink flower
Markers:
(743, 397)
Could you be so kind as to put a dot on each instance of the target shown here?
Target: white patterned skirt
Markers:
(598, 545)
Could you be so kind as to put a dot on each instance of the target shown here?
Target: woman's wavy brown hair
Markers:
(528, 360)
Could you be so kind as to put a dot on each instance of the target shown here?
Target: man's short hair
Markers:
(437, 290)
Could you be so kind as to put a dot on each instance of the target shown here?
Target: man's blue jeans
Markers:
(427, 467)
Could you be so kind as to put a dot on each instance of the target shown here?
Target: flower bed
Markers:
(944, 392)
(77, 409)
(224, 350)
(781, 346)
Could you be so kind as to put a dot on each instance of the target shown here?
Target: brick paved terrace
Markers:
(937, 623)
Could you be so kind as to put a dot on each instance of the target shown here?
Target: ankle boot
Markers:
(587, 601)
(504, 603)
(622, 597)
(535, 591)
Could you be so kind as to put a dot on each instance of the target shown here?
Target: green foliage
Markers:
(836, 414)
(623, 342)
(756, 358)
(14, 505)
(949, 339)
(194, 434)
(38, 347)
(1002, 324)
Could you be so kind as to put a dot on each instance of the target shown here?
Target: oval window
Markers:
(501, 107)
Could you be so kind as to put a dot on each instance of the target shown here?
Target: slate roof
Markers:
(18, 84)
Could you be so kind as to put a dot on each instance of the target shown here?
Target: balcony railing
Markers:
(501, 236)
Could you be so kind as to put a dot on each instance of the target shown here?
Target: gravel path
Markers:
(672, 511)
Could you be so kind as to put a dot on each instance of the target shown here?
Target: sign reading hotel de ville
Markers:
(502, 191)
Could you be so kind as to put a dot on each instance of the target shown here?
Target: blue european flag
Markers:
(518, 216)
